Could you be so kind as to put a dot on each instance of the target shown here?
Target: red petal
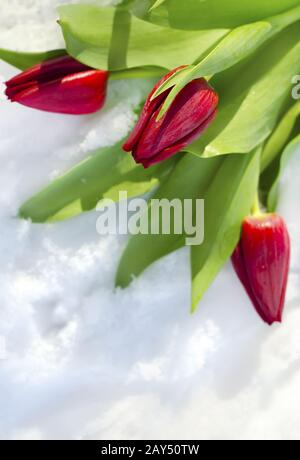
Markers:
(265, 247)
(12, 91)
(146, 114)
(240, 269)
(191, 108)
(149, 108)
(52, 69)
(78, 94)
(170, 151)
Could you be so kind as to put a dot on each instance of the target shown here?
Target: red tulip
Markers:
(60, 85)
(190, 114)
(261, 261)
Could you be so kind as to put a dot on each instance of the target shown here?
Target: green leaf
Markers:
(284, 133)
(290, 150)
(199, 14)
(88, 34)
(234, 47)
(156, 4)
(24, 61)
(189, 180)
(277, 141)
(102, 175)
(227, 202)
(252, 97)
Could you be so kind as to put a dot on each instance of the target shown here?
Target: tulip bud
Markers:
(261, 262)
(60, 85)
(191, 112)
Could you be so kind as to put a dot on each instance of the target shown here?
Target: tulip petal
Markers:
(78, 94)
(240, 269)
(179, 146)
(262, 264)
(193, 105)
(52, 69)
(12, 91)
(149, 108)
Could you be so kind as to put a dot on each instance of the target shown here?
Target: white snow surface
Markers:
(85, 362)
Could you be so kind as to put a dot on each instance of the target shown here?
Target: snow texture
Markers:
(81, 361)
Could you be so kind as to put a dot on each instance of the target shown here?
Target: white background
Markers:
(85, 362)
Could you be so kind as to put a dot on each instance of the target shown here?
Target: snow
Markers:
(83, 361)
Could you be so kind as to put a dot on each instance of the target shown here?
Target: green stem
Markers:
(256, 208)
(142, 72)
(117, 58)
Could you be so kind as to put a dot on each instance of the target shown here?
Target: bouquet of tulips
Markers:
(220, 124)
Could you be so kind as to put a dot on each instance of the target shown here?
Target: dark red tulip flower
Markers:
(261, 261)
(60, 85)
(194, 108)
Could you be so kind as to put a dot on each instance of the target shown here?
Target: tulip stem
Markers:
(256, 208)
(120, 39)
(146, 72)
